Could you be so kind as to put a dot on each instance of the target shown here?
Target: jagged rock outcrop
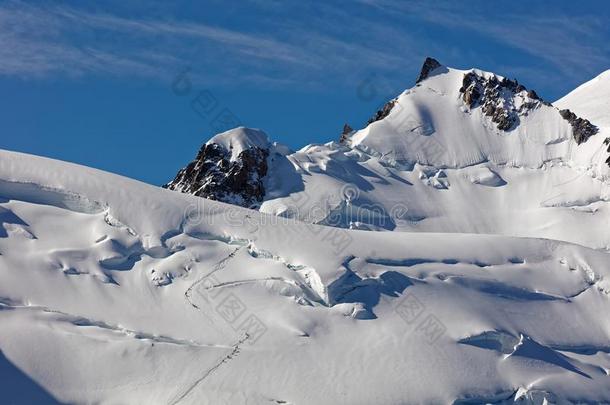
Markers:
(582, 128)
(503, 100)
(347, 130)
(429, 65)
(382, 112)
(219, 175)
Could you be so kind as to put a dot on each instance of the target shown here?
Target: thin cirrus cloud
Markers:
(300, 44)
(45, 41)
(571, 44)
(38, 42)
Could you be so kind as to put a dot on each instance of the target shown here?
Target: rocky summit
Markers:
(226, 172)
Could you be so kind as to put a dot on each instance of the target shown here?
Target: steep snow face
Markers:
(590, 100)
(114, 291)
(459, 118)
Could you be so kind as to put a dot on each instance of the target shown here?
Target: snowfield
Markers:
(493, 288)
(114, 291)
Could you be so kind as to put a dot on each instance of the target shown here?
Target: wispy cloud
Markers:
(295, 43)
(41, 41)
(571, 44)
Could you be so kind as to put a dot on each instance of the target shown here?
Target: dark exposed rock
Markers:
(213, 175)
(532, 94)
(429, 65)
(383, 112)
(582, 129)
(347, 130)
(471, 89)
(497, 98)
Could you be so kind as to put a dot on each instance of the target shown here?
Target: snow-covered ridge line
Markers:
(458, 136)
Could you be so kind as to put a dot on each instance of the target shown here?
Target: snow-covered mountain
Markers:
(230, 167)
(494, 287)
(462, 151)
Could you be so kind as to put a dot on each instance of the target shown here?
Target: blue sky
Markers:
(102, 83)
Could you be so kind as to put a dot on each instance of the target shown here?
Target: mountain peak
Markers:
(229, 167)
(429, 65)
(464, 117)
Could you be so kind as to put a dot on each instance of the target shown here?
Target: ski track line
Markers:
(218, 266)
(235, 348)
(81, 321)
(234, 352)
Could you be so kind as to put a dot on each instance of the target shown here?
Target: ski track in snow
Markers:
(224, 360)
(84, 322)
(218, 266)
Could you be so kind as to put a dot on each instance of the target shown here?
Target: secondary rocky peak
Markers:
(429, 65)
(506, 100)
(229, 168)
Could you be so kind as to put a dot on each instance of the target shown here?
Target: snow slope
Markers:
(113, 291)
(590, 100)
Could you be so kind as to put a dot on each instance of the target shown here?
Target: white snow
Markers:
(431, 125)
(590, 100)
(449, 169)
(495, 289)
(128, 304)
(239, 139)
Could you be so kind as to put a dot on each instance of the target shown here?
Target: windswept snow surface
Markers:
(116, 292)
